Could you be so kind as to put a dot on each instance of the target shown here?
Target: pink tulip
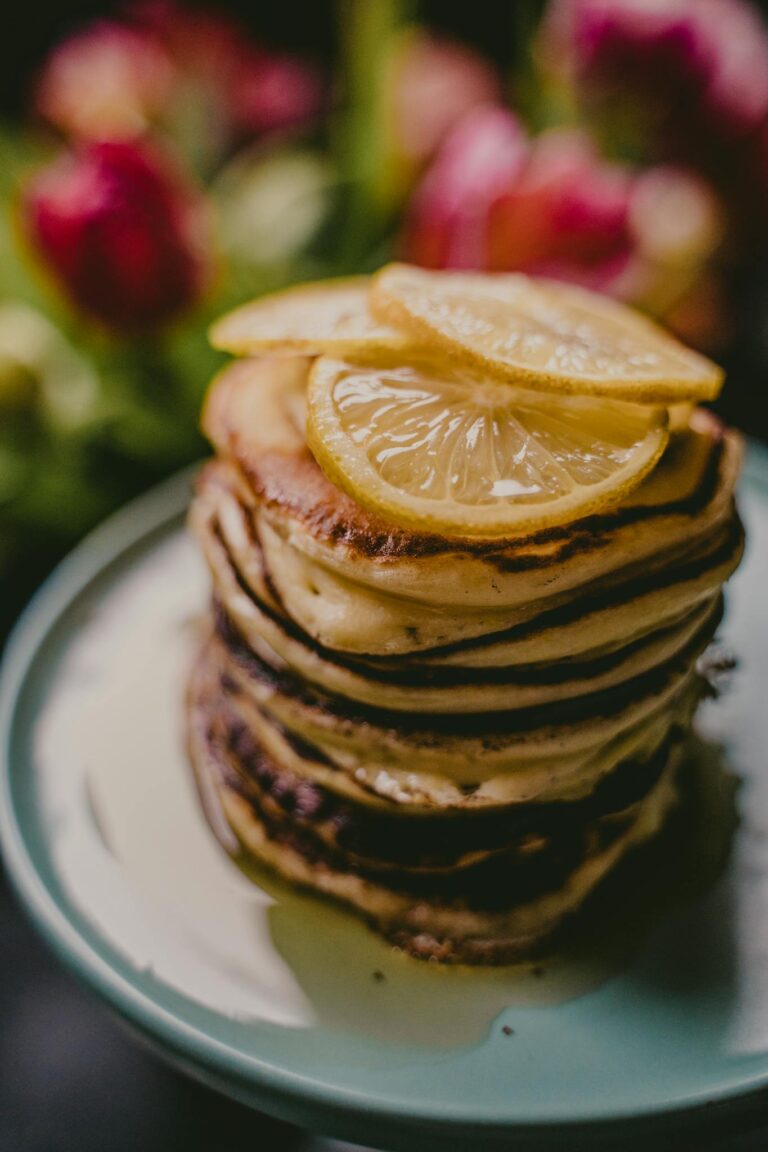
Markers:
(682, 80)
(447, 224)
(686, 58)
(552, 206)
(566, 214)
(107, 81)
(194, 72)
(434, 82)
(122, 233)
(494, 199)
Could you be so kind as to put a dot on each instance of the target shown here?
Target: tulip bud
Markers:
(273, 92)
(676, 226)
(565, 215)
(108, 81)
(447, 225)
(270, 207)
(553, 206)
(432, 84)
(232, 87)
(685, 80)
(122, 233)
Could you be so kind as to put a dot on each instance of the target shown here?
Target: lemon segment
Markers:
(327, 316)
(543, 334)
(452, 453)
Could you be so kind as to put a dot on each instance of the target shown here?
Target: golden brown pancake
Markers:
(487, 906)
(464, 762)
(359, 584)
(458, 738)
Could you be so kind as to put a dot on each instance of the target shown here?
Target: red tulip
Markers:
(247, 88)
(122, 233)
(272, 91)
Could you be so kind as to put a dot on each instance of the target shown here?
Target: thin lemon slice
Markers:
(543, 334)
(451, 453)
(327, 316)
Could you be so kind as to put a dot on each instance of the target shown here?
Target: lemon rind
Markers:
(225, 334)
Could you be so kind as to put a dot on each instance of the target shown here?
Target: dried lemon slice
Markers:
(543, 334)
(327, 316)
(449, 452)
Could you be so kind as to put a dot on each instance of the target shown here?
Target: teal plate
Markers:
(289, 1004)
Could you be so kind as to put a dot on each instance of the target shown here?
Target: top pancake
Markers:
(254, 416)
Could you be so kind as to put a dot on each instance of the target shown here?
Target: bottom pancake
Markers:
(492, 913)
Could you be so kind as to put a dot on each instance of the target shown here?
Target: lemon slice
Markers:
(543, 334)
(327, 316)
(449, 452)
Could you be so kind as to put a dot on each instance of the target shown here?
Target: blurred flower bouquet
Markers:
(171, 166)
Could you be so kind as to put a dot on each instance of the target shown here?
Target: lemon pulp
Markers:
(447, 451)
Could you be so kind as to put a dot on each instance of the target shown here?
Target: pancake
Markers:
(489, 907)
(254, 417)
(438, 762)
(417, 688)
(602, 619)
(458, 738)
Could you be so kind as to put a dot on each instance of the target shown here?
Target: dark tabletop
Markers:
(72, 1081)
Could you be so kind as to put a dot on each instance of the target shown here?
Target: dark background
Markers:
(304, 25)
(69, 1078)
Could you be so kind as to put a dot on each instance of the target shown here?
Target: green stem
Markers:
(368, 29)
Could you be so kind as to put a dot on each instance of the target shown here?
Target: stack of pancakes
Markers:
(458, 738)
